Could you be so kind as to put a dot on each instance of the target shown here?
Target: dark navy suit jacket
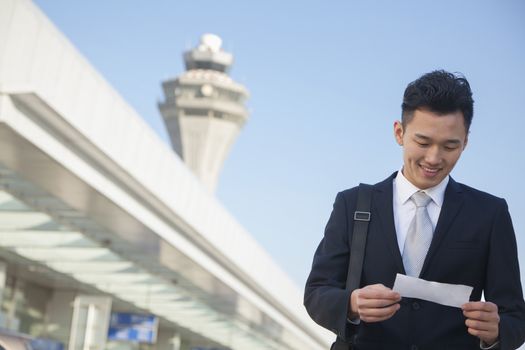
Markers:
(473, 244)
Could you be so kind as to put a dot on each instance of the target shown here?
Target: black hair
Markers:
(441, 92)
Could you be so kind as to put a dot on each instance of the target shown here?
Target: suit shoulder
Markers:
(481, 197)
(474, 192)
(350, 192)
(350, 195)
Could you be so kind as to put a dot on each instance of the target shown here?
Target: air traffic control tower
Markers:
(204, 109)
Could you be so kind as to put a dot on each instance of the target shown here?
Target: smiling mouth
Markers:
(430, 171)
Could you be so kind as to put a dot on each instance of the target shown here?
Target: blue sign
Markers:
(46, 344)
(133, 327)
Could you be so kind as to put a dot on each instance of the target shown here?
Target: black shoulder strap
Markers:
(357, 249)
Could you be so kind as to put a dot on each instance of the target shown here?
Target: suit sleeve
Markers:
(503, 285)
(325, 298)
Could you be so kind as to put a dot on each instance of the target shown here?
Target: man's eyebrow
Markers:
(419, 136)
(426, 138)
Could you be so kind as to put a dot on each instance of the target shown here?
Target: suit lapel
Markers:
(383, 205)
(451, 206)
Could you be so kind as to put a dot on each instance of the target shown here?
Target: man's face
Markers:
(432, 144)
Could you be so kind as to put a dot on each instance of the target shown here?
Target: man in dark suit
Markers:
(468, 233)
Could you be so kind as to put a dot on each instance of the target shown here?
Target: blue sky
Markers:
(326, 81)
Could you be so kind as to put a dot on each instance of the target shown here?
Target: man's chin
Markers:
(424, 180)
(424, 183)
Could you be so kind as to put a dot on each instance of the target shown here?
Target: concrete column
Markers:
(59, 312)
(168, 339)
(176, 342)
(89, 328)
(3, 277)
(12, 322)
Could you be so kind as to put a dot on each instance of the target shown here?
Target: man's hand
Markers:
(374, 303)
(482, 320)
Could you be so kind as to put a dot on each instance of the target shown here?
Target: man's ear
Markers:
(398, 132)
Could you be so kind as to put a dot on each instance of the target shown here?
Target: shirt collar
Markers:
(404, 189)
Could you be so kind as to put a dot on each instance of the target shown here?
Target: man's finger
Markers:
(379, 312)
(480, 306)
(373, 293)
(481, 326)
(487, 336)
(375, 303)
(482, 315)
(376, 315)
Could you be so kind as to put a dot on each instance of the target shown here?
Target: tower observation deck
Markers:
(204, 109)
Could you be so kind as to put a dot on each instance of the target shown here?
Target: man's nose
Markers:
(433, 155)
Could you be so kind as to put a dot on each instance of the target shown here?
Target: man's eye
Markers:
(450, 148)
(422, 144)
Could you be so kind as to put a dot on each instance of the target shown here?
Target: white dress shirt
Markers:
(405, 209)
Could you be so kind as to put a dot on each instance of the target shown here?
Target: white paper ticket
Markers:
(441, 293)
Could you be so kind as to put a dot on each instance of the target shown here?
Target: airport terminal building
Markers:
(111, 239)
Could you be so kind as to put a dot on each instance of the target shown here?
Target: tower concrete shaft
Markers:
(204, 109)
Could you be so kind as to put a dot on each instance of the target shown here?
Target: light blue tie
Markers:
(419, 236)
